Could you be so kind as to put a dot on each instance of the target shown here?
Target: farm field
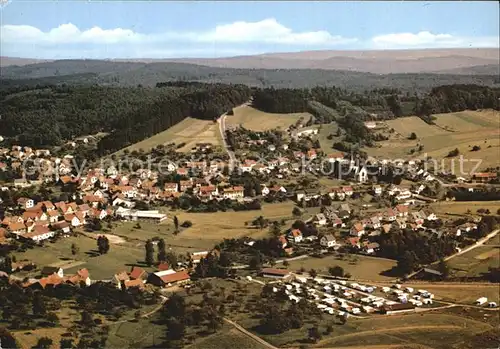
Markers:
(257, 120)
(460, 130)
(461, 207)
(469, 120)
(189, 131)
(360, 267)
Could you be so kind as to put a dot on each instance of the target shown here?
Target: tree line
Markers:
(50, 115)
(386, 103)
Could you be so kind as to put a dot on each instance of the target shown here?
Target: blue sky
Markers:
(163, 29)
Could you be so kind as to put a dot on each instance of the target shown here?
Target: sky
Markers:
(170, 29)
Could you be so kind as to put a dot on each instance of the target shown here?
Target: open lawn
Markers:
(461, 207)
(119, 257)
(189, 131)
(476, 262)
(360, 267)
(29, 338)
(211, 228)
(468, 120)
(432, 330)
(226, 338)
(459, 292)
(254, 119)
(405, 126)
(461, 130)
(325, 143)
(136, 334)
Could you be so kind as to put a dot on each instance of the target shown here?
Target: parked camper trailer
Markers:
(481, 301)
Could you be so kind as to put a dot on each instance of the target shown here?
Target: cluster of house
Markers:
(399, 217)
(44, 219)
(54, 276)
(165, 276)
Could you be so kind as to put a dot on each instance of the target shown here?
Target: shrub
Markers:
(453, 153)
(186, 224)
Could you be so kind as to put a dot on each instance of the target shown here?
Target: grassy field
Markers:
(28, 339)
(476, 262)
(119, 257)
(226, 338)
(461, 207)
(257, 120)
(360, 267)
(432, 330)
(127, 240)
(325, 143)
(460, 293)
(189, 131)
(468, 120)
(210, 228)
(460, 130)
(135, 334)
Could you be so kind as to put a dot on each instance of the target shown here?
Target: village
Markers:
(343, 205)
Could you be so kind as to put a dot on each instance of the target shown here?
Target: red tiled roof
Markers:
(179, 276)
(163, 266)
(274, 271)
(136, 272)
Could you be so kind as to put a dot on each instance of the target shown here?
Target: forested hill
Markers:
(49, 115)
(325, 103)
(149, 74)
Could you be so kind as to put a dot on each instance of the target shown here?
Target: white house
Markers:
(39, 233)
(362, 175)
(265, 190)
(357, 230)
(327, 240)
(320, 219)
(233, 193)
(295, 235)
(377, 189)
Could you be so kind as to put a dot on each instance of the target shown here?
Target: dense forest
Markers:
(386, 103)
(50, 115)
(52, 110)
(136, 73)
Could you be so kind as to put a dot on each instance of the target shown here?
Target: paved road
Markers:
(222, 130)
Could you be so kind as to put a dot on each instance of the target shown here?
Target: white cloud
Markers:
(237, 38)
(267, 31)
(67, 34)
(426, 39)
(272, 32)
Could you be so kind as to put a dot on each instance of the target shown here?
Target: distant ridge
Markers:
(464, 61)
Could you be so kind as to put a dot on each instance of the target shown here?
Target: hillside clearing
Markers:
(254, 119)
(462, 207)
(189, 131)
(462, 130)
